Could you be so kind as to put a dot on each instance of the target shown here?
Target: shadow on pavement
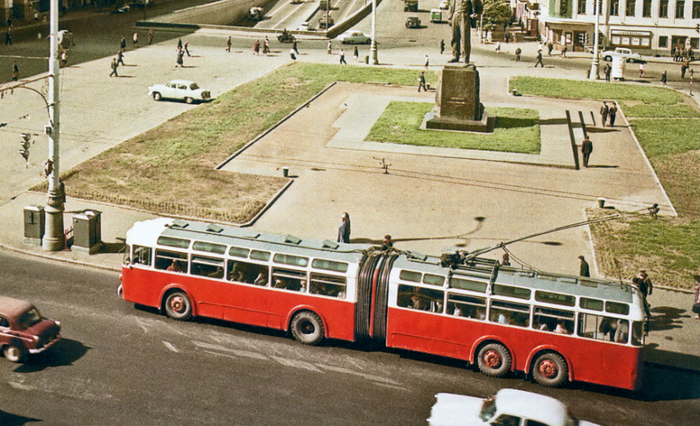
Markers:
(64, 352)
(670, 318)
(9, 419)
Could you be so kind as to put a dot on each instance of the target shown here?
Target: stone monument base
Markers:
(485, 125)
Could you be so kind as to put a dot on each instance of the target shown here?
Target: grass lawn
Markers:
(667, 126)
(517, 130)
(170, 169)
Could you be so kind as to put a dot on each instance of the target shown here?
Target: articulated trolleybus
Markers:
(555, 328)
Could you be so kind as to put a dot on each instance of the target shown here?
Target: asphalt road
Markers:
(120, 365)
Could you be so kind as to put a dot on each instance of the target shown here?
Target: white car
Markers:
(354, 37)
(183, 90)
(627, 55)
(444, 5)
(305, 26)
(507, 407)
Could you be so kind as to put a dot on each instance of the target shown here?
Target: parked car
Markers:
(182, 90)
(435, 15)
(507, 407)
(306, 26)
(24, 331)
(410, 5)
(256, 14)
(325, 21)
(413, 22)
(627, 55)
(444, 5)
(354, 37)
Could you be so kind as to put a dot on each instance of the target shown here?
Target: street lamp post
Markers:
(595, 64)
(54, 238)
(373, 47)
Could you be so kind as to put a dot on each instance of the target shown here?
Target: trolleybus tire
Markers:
(307, 328)
(14, 353)
(494, 360)
(178, 306)
(550, 370)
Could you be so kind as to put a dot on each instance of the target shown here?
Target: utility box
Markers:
(87, 232)
(34, 225)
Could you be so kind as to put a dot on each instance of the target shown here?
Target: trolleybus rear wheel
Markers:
(494, 360)
(550, 370)
(178, 306)
(307, 328)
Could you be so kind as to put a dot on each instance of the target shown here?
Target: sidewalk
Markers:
(428, 201)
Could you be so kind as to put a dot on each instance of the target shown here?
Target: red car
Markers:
(23, 330)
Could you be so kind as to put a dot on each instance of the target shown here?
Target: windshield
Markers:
(29, 318)
(194, 86)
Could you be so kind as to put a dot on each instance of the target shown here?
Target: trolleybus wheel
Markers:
(550, 370)
(178, 306)
(14, 353)
(494, 360)
(307, 328)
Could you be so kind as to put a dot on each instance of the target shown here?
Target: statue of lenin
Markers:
(463, 15)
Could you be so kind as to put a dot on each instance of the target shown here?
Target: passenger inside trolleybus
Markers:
(176, 266)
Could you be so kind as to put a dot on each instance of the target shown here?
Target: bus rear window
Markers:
(506, 290)
(555, 298)
(173, 242)
(479, 286)
(330, 265)
(291, 260)
(209, 247)
(410, 276)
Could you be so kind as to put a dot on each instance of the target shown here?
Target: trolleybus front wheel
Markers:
(178, 306)
(494, 360)
(307, 328)
(550, 370)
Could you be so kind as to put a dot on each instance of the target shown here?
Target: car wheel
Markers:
(189, 100)
(307, 328)
(14, 353)
(607, 58)
(494, 360)
(156, 96)
(550, 370)
(178, 306)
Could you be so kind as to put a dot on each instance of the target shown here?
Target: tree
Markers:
(497, 13)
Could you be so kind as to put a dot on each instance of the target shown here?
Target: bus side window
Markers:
(603, 328)
(328, 285)
(422, 299)
(289, 279)
(142, 255)
(510, 313)
(466, 306)
(171, 261)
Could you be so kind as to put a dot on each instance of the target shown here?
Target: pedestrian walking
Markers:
(604, 114)
(427, 62)
(180, 61)
(518, 52)
(421, 82)
(64, 57)
(550, 47)
(296, 49)
(136, 40)
(344, 229)
(292, 54)
(120, 57)
(115, 65)
(329, 47)
(498, 47)
(539, 59)
(641, 70)
(612, 113)
(150, 36)
(15, 71)
(228, 44)
(664, 78)
(586, 149)
(563, 52)
(122, 43)
(256, 47)
(696, 299)
(584, 271)
(442, 46)
(691, 82)
(342, 57)
(8, 36)
(683, 68)
(179, 43)
(187, 48)
(266, 46)
(607, 70)
(356, 54)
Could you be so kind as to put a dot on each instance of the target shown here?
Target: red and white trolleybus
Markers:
(555, 328)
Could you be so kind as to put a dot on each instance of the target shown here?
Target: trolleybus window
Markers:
(466, 306)
(288, 279)
(328, 285)
(422, 299)
(238, 252)
(431, 279)
(260, 255)
(142, 255)
(603, 328)
(246, 272)
(510, 313)
(479, 286)
(555, 298)
(410, 276)
(592, 304)
(207, 266)
(173, 242)
(617, 308)
(510, 291)
(556, 320)
(330, 265)
(171, 260)
(209, 247)
(291, 260)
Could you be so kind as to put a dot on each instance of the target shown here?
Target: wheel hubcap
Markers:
(177, 304)
(548, 369)
(492, 359)
(307, 328)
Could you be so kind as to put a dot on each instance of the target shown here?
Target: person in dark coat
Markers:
(586, 149)
(115, 65)
(539, 58)
(344, 229)
(612, 114)
(421, 82)
(604, 110)
(584, 271)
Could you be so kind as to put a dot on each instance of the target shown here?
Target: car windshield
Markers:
(29, 318)
(194, 86)
(488, 408)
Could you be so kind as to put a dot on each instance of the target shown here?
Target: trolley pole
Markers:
(373, 47)
(595, 64)
(54, 238)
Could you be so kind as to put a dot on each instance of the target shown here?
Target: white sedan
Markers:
(627, 55)
(183, 90)
(507, 407)
(354, 37)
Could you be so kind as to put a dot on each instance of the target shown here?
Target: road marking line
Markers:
(296, 364)
(170, 346)
(21, 386)
(372, 377)
(237, 352)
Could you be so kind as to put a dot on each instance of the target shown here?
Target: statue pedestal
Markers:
(457, 104)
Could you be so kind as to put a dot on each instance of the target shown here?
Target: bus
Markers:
(555, 328)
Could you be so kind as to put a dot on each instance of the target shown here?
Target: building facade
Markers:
(647, 26)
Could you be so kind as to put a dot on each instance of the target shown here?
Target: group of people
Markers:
(608, 113)
(344, 233)
(680, 54)
(119, 59)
